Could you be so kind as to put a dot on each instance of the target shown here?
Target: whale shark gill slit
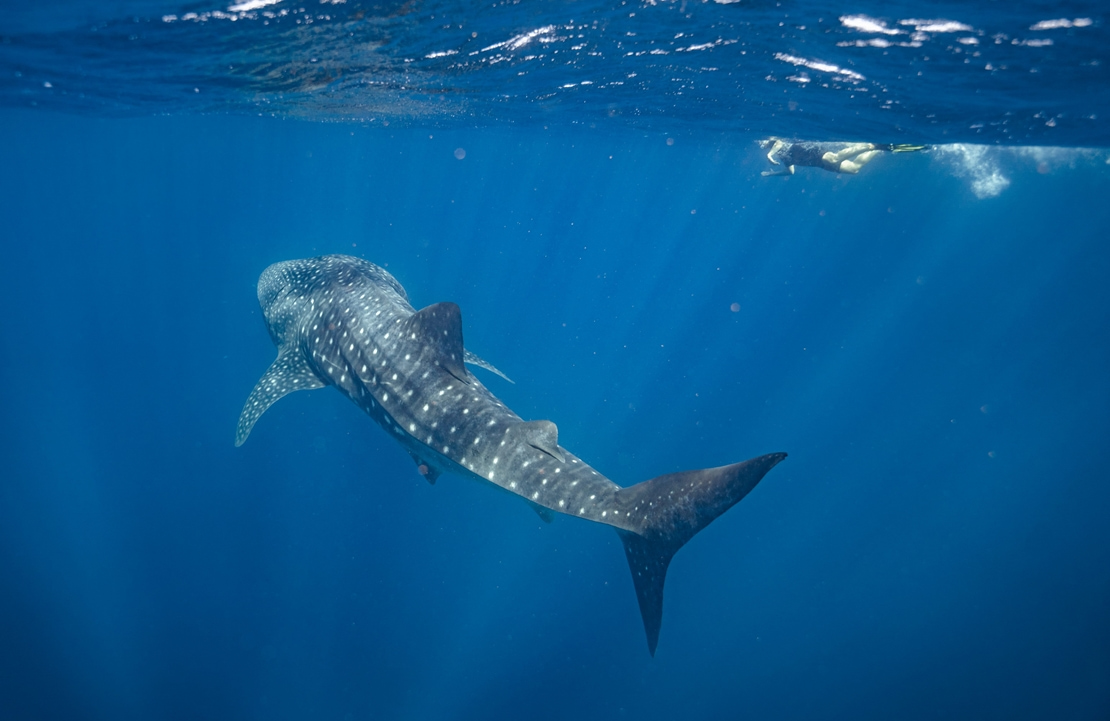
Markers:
(343, 321)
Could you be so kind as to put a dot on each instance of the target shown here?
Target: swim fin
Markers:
(906, 148)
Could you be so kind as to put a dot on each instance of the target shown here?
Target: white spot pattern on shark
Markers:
(310, 304)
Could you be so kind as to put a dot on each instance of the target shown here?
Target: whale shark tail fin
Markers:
(671, 510)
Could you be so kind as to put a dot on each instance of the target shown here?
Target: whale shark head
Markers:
(279, 299)
(285, 288)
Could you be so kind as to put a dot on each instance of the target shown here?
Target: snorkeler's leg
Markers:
(853, 150)
(833, 160)
(866, 157)
(853, 165)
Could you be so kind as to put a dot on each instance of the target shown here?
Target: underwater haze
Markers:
(928, 340)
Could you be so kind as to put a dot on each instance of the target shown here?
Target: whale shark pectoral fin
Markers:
(290, 372)
(474, 360)
(543, 436)
(440, 326)
(546, 514)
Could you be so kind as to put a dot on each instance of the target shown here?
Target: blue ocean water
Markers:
(926, 339)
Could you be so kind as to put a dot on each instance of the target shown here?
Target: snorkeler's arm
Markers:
(788, 170)
(771, 153)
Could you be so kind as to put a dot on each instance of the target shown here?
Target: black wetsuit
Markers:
(807, 153)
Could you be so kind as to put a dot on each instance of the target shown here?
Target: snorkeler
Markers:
(834, 157)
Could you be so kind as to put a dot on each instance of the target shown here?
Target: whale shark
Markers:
(342, 321)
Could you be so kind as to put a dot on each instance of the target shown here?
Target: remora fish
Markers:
(343, 321)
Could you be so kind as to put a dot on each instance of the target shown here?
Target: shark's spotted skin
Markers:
(342, 321)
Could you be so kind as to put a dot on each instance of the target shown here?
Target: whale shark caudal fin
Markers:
(674, 507)
(290, 372)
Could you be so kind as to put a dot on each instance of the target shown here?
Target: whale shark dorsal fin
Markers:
(474, 360)
(440, 325)
(290, 372)
(542, 435)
